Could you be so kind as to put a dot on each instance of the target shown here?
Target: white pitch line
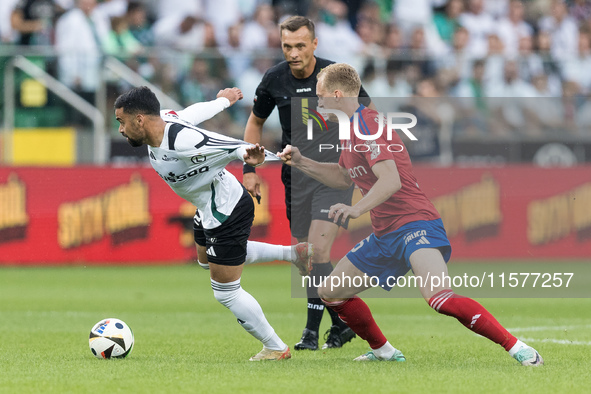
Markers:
(548, 328)
(558, 341)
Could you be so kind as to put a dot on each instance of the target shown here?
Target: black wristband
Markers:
(246, 168)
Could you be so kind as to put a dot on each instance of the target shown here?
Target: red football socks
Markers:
(357, 315)
(472, 315)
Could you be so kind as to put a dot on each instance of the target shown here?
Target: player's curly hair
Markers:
(139, 100)
(340, 76)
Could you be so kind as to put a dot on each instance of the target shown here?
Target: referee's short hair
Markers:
(139, 100)
(340, 76)
(294, 23)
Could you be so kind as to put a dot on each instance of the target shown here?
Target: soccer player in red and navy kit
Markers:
(407, 230)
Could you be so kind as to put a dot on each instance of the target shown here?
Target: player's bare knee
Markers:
(321, 253)
(324, 292)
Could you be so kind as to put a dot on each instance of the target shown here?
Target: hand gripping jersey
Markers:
(358, 156)
(191, 161)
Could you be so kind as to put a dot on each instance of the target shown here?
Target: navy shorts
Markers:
(388, 257)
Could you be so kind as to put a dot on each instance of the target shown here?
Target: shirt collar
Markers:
(361, 108)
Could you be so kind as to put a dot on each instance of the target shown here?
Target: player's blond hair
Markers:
(340, 76)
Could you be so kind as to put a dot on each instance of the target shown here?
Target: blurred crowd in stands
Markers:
(402, 48)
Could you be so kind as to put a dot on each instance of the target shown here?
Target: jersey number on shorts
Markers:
(360, 244)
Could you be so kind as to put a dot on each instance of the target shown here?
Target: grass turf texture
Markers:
(186, 342)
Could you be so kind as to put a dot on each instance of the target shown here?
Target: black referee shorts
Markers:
(226, 244)
(307, 199)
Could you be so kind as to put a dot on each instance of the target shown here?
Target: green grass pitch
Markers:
(185, 342)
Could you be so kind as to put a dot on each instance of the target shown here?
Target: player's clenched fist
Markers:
(290, 155)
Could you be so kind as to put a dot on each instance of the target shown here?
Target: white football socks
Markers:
(517, 347)
(261, 252)
(385, 352)
(248, 312)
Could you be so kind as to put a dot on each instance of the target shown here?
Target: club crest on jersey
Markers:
(198, 159)
(373, 148)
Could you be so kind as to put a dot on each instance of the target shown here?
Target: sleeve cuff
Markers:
(225, 102)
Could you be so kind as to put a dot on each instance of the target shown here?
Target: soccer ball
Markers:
(111, 338)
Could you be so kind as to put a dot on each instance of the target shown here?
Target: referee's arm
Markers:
(253, 134)
(254, 129)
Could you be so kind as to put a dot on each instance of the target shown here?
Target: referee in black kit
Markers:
(307, 200)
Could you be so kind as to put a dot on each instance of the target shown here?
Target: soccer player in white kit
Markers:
(192, 162)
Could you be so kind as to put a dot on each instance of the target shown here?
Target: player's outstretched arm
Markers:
(200, 112)
(387, 184)
(331, 174)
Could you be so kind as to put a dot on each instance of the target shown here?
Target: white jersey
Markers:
(191, 161)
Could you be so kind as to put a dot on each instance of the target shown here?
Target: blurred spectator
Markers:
(261, 32)
(532, 64)
(161, 74)
(112, 8)
(120, 42)
(511, 85)
(512, 28)
(424, 105)
(480, 25)
(447, 22)
(237, 60)
(494, 69)
(184, 32)
(79, 37)
(409, 14)
(545, 111)
(286, 8)
(198, 84)
(508, 108)
(249, 80)
(393, 41)
(390, 84)
(497, 9)
(137, 20)
(473, 86)
(577, 68)
(562, 29)
(34, 20)
(222, 14)
(458, 61)
(336, 39)
(472, 116)
(167, 8)
(418, 52)
(66, 5)
(7, 33)
(543, 44)
(580, 10)
(529, 63)
(372, 32)
(540, 84)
